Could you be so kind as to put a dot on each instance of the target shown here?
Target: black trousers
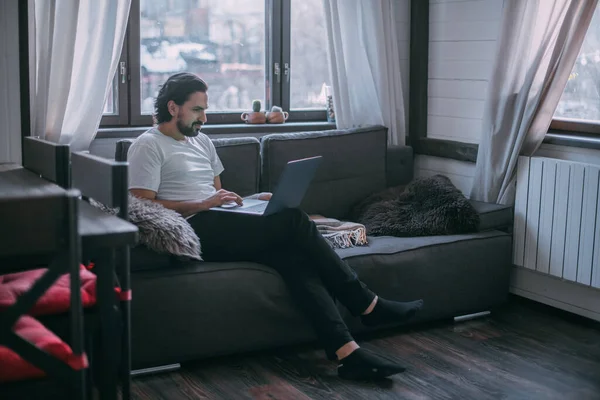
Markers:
(290, 243)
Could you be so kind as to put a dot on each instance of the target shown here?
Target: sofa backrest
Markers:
(353, 166)
(240, 157)
(356, 163)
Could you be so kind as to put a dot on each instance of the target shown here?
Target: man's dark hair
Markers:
(178, 88)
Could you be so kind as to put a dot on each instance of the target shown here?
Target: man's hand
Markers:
(186, 208)
(223, 197)
(265, 196)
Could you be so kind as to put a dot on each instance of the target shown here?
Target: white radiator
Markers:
(557, 219)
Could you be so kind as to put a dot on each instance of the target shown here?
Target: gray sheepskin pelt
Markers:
(161, 229)
(425, 207)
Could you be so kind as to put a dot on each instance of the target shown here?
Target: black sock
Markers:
(387, 312)
(363, 364)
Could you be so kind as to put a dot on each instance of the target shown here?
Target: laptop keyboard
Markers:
(258, 208)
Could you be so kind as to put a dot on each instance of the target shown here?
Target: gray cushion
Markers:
(388, 245)
(210, 309)
(206, 308)
(240, 157)
(142, 258)
(493, 216)
(353, 166)
(399, 165)
(455, 275)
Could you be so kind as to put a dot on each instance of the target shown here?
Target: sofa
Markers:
(189, 310)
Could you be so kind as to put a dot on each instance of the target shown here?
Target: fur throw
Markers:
(161, 229)
(425, 207)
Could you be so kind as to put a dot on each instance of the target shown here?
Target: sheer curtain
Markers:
(537, 48)
(365, 65)
(74, 51)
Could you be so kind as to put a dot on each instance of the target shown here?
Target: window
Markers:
(310, 70)
(111, 105)
(243, 49)
(579, 106)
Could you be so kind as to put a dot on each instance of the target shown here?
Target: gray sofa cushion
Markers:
(389, 245)
(455, 275)
(240, 157)
(353, 165)
(144, 259)
(399, 165)
(208, 308)
(493, 216)
(243, 306)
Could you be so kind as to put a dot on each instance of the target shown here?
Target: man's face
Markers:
(192, 114)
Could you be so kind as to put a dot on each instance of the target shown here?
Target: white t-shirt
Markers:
(175, 170)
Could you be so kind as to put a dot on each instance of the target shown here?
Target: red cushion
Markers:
(13, 367)
(56, 299)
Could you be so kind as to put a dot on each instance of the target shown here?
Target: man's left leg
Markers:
(229, 236)
(225, 235)
(294, 228)
(309, 293)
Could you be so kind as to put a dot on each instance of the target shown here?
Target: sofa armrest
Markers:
(399, 165)
(494, 216)
(122, 149)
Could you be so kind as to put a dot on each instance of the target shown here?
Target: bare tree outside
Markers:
(581, 98)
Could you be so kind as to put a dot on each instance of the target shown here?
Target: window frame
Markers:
(122, 77)
(564, 125)
(561, 125)
(277, 86)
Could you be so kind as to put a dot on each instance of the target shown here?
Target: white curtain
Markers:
(76, 47)
(537, 48)
(364, 65)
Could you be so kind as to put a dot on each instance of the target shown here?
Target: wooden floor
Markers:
(525, 351)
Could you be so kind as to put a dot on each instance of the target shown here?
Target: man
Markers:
(177, 166)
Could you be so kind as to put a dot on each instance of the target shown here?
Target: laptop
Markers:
(289, 193)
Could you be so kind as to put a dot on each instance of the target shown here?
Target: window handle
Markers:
(277, 71)
(286, 71)
(123, 71)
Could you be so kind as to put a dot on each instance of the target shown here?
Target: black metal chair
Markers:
(105, 181)
(42, 222)
(48, 159)
(51, 162)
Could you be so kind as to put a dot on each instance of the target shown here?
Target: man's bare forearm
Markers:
(185, 208)
(190, 207)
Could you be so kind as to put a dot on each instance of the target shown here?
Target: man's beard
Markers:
(189, 131)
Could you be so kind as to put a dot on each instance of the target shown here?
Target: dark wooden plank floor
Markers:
(524, 351)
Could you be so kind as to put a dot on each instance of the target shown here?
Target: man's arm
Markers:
(261, 196)
(186, 208)
(144, 180)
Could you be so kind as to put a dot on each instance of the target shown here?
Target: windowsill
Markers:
(225, 129)
(584, 140)
(468, 151)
